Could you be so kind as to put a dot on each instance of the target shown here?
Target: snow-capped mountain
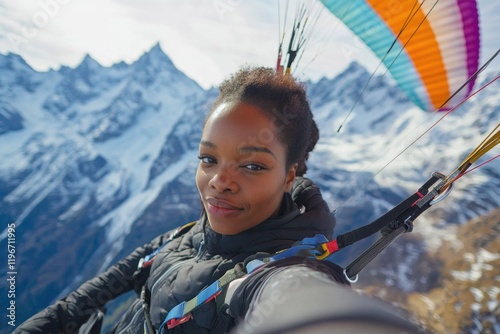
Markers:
(98, 160)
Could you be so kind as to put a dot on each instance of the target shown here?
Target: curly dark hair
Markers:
(284, 100)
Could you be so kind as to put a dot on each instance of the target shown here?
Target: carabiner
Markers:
(442, 196)
(351, 280)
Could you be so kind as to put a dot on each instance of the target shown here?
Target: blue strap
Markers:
(306, 248)
(175, 316)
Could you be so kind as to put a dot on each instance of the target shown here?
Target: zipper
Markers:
(176, 266)
(134, 319)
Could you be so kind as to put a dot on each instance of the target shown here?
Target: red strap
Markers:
(177, 321)
(420, 195)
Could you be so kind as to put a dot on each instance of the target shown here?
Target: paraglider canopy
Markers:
(431, 48)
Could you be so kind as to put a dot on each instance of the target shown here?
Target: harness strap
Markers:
(401, 215)
(182, 312)
(146, 297)
(305, 248)
(148, 259)
(352, 270)
(363, 232)
(390, 232)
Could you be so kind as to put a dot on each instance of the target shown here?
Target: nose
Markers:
(224, 180)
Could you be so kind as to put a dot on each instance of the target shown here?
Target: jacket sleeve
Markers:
(299, 295)
(72, 311)
(251, 287)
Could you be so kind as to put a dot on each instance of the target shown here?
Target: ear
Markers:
(290, 177)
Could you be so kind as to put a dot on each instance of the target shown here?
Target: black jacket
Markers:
(185, 266)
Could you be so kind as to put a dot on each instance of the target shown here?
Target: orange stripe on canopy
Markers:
(423, 47)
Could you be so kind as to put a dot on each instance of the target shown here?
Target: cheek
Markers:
(270, 198)
(200, 179)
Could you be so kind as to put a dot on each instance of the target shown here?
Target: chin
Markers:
(224, 230)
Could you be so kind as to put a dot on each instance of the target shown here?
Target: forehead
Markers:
(241, 124)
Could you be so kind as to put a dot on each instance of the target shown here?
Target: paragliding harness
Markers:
(393, 223)
(143, 270)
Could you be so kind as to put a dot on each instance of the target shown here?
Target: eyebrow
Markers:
(254, 149)
(208, 144)
(242, 150)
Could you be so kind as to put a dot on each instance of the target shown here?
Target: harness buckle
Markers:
(326, 249)
(140, 264)
(177, 321)
(431, 195)
(408, 224)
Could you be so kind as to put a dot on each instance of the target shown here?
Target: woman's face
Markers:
(242, 173)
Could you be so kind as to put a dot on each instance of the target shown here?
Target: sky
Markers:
(206, 39)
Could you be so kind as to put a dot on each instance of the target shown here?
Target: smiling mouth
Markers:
(221, 208)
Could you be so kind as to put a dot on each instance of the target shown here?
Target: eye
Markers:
(207, 160)
(254, 167)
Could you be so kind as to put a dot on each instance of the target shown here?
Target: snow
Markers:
(110, 185)
(63, 140)
(469, 257)
(478, 294)
(486, 256)
(75, 209)
(29, 106)
(476, 307)
(479, 263)
(119, 221)
(493, 303)
(429, 302)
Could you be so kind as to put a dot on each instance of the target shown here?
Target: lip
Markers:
(221, 208)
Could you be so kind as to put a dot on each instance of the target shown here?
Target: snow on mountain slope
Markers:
(81, 160)
(62, 128)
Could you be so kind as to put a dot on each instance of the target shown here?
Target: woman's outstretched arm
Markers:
(68, 314)
(307, 296)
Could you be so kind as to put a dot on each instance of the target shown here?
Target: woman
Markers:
(253, 152)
